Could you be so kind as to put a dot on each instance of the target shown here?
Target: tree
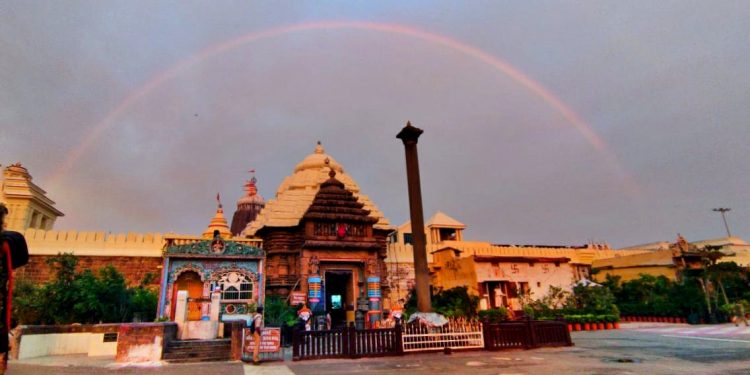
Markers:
(83, 297)
(453, 303)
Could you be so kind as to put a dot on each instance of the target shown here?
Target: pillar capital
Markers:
(409, 134)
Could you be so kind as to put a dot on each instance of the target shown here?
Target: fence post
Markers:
(352, 338)
(530, 334)
(295, 344)
(568, 339)
(486, 333)
(399, 339)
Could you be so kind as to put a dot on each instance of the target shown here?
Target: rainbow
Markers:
(535, 87)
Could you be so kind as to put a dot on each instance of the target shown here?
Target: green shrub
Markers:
(452, 303)
(529, 311)
(82, 297)
(278, 313)
(495, 315)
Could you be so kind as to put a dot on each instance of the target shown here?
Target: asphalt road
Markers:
(636, 349)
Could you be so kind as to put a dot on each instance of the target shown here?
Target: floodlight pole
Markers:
(723, 210)
(409, 135)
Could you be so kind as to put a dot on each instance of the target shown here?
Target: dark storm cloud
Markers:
(664, 84)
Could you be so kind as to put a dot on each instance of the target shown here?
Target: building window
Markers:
(393, 237)
(234, 285)
(407, 239)
(447, 234)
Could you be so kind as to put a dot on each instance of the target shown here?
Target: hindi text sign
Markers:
(270, 340)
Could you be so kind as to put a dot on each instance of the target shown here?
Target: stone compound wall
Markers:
(144, 342)
(133, 268)
(133, 254)
(40, 341)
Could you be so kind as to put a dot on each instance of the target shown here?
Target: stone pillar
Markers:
(180, 314)
(409, 135)
(215, 306)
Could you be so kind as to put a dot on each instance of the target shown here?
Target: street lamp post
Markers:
(723, 210)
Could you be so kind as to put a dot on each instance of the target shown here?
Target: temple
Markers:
(322, 242)
(326, 240)
(248, 207)
(220, 278)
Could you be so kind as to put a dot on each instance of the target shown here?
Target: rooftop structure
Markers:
(218, 222)
(28, 204)
(248, 207)
(297, 191)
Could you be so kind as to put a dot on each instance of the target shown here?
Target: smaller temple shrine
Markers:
(248, 206)
(210, 280)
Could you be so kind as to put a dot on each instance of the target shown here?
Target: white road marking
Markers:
(502, 358)
(267, 370)
(705, 338)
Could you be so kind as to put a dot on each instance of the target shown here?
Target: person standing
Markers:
(257, 327)
(15, 253)
(304, 315)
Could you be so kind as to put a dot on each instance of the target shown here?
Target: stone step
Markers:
(182, 351)
(203, 349)
(199, 343)
(197, 359)
(192, 355)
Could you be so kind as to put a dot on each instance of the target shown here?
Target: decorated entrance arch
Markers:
(231, 267)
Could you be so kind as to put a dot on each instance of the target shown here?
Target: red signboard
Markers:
(270, 340)
(297, 298)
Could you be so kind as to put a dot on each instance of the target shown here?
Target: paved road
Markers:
(638, 348)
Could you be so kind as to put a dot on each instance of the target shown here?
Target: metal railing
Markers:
(457, 334)
(346, 343)
(526, 334)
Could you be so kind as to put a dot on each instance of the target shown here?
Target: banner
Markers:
(373, 288)
(270, 341)
(314, 292)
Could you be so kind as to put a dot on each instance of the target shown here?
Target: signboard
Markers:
(314, 286)
(297, 298)
(373, 288)
(270, 341)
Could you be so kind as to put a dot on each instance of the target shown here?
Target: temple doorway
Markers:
(338, 296)
(191, 282)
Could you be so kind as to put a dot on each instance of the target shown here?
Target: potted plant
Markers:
(586, 322)
(576, 322)
(609, 319)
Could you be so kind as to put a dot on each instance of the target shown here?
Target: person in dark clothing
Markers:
(15, 253)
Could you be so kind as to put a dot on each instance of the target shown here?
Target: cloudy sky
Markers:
(134, 114)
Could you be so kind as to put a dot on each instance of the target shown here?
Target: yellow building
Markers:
(494, 272)
(28, 204)
(668, 259)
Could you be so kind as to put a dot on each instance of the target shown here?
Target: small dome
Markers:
(317, 160)
(18, 170)
(218, 222)
(251, 194)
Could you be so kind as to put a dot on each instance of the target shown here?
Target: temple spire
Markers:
(218, 222)
(248, 206)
